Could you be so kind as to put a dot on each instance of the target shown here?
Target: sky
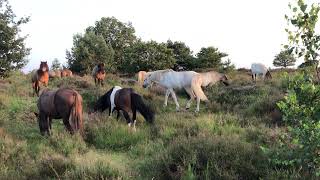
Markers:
(248, 30)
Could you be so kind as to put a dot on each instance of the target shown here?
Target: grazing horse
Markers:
(212, 77)
(99, 74)
(141, 76)
(63, 103)
(260, 70)
(66, 73)
(126, 100)
(55, 74)
(169, 79)
(40, 76)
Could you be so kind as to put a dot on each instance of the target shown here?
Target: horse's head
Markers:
(44, 66)
(43, 126)
(224, 79)
(103, 102)
(147, 81)
(268, 75)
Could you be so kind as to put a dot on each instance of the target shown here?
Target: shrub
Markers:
(299, 146)
(214, 157)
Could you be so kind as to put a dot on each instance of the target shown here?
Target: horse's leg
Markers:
(126, 115)
(102, 82)
(50, 129)
(192, 96)
(95, 81)
(38, 88)
(198, 104)
(166, 98)
(175, 99)
(67, 124)
(134, 117)
(118, 114)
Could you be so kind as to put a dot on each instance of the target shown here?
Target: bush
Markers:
(214, 157)
(113, 136)
(299, 146)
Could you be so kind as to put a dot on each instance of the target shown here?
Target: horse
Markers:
(212, 77)
(99, 74)
(141, 76)
(66, 73)
(63, 103)
(55, 74)
(191, 81)
(40, 76)
(260, 70)
(125, 100)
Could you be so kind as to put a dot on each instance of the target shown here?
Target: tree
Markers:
(303, 40)
(228, 66)
(12, 48)
(147, 56)
(89, 50)
(284, 59)
(182, 55)
(119, 35)
(55, 64)
(210, 58)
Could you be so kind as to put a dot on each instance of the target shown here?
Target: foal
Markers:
(126, 100)
(40, 76)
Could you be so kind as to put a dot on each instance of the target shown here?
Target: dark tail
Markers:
(137, 102)
(75, 118)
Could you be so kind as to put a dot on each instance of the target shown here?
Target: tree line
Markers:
(114, 43)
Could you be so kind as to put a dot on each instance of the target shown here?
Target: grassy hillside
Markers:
(221, 142)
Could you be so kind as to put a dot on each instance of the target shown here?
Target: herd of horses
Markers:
(66, 103)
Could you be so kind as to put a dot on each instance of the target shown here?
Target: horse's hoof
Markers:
(187, 108)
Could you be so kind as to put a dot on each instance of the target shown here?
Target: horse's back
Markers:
(179, 79)
(258, 68)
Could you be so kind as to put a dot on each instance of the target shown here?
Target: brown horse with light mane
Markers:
(63, 103)
(141, 76)
(99, 74)
(40, 76)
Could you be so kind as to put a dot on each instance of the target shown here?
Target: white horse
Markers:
(169, 79)
(260, 70)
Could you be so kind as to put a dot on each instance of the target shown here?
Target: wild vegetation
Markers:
(223, 141)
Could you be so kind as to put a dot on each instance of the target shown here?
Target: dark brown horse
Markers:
(63, 103)
(125, 100)
(99, 74)
(40, 76)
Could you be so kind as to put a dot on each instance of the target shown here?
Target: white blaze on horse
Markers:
(259, 69)
(190, 81)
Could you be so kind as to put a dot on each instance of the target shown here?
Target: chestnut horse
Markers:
(40, 76)
(99, 74)
(126, 100)
(66, 73)
(63, 103)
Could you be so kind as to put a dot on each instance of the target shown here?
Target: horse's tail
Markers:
(75, 118)
(196, 87)
(137, 103)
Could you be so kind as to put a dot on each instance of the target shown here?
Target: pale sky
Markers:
(248, 30)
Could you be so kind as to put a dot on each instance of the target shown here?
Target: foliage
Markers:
(303, 40)
(117, 34)
(227, 66)
(148, 56)
(214, 157)
(284, 59)
(182, 55)
(89, 50)
(210, 57)
(12, 47)
(55, 64)
(301, 112)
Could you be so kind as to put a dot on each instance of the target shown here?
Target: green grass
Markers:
(221, 142)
